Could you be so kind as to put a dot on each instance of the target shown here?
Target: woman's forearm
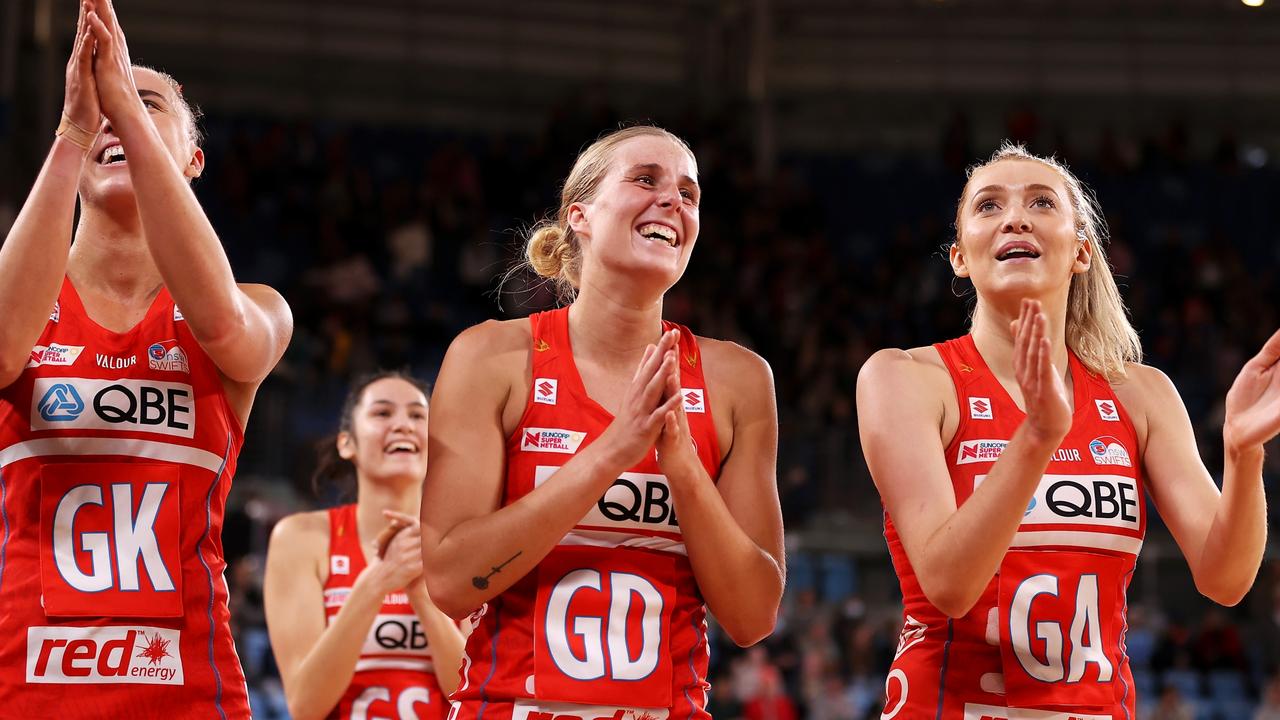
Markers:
(741, 582)
(483, 556)
(443, 637)
(33, 259)
(962, 555)
(1237, 539)
(318, 682)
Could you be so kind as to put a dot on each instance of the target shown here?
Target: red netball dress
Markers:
(1046, 639)
(610, 624)
(116, 455)
(395, 676)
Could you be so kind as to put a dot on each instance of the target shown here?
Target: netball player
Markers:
(599, 476)
(129, 360)
(1014, 464)
(352, 628)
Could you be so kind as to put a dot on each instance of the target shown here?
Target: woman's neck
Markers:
(994, 336)
(110, 258)
(374, 497)
(612, 327)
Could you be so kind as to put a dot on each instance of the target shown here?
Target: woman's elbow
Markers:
(447, 596)
(951, 600)
(749, 631)
(301, 709)
(1223, 593)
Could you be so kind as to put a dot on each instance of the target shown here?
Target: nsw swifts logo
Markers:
(980, 408)
(167, 355)
(1107, 410)
(694, 400)
(544, 390)
(554, 440)
(1107, 450)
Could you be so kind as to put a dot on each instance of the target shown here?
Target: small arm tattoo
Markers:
(483, 582)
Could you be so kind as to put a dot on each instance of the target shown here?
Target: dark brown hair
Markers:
(332, 470)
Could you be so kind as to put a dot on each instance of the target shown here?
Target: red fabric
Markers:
(395, 671)
(1081, 533)
(632, 531)
(112, 414)
(778, 707)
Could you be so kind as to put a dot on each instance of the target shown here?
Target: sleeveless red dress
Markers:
(611, 623)
(395, 675)
(1046, 639)
(116, 456)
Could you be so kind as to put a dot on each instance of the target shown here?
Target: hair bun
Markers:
(548, 250)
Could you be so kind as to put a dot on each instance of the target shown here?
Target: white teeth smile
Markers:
(1017, 253)
(113, 154)
(401, 447)
(655, 231)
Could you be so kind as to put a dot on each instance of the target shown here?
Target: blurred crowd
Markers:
(387, 242)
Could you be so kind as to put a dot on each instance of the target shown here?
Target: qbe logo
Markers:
(395, 634)
(635, 501)
(104, 655)
(123, 405)
(60, 403)
(544, 390)
(167, 355)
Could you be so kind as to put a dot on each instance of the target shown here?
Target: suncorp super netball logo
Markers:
(975, 451)
(555, 440)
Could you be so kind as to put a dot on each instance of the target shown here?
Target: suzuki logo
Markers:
(545, 388)
(61, 403)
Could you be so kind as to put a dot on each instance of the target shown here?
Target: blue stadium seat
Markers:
(1226, 685)
(1187, 682)
(1233, 709)
(1145, 683)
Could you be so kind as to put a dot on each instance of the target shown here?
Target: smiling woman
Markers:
(120, 415)
(562, 444)
(352, 627)
(1012, 464)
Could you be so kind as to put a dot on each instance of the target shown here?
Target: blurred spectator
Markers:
(770, 701)
(1270, 707)
(1172, 706)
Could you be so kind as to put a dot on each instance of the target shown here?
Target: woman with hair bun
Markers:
(1014, 465)
(564, 448)
(353, 630)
